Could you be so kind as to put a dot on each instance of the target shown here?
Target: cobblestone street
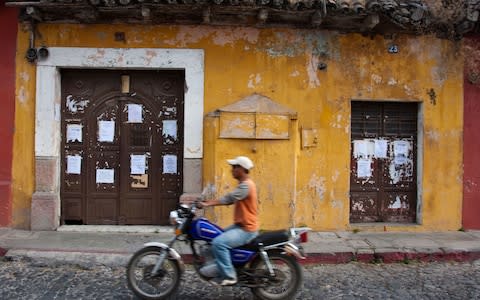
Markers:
(27, 280)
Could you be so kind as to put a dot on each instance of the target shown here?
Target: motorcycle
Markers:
(268, 265)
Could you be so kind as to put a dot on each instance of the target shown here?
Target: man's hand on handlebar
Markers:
(207, 203)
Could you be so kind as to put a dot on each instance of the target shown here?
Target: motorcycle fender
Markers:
(293, 250)
(172, 253)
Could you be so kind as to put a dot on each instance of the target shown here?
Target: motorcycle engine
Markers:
(209, 268)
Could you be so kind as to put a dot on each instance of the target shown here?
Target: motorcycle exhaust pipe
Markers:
(293, 250)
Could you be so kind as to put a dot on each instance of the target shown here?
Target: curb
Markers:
(390, 257)
(112, 258)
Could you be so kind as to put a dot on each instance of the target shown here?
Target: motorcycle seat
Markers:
(266, 239)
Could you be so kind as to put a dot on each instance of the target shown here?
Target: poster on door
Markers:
(105, 176)
(138, 164)
(74, 133)
(106, 131)
(169, 164)
(135, 113)
(364, 168)
(74, 164)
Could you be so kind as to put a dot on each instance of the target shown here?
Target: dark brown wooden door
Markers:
(383, 178)
(123, 140)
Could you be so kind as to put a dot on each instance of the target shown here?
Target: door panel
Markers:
(383, 180)
(102, 197)
(398, 206)
(363, 206)
(121, 138)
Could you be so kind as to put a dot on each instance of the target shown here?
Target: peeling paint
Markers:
(432, 135)
(470, 185)
(187, 35)
(338, 122)
(97, 56)
(335, 176)
(149, 55)
(399, 204)
(317, 184)
(312, 63)
(24, 76)
(290, 43)
(320, 44)
(392, 81)
(377, 78)
(337, 203)
(74, 105)
(295, 74)
(253, 80)
(439, 75)
(22, 95)
(408, 90)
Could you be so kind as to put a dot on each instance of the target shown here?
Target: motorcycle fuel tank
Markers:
(202, 229)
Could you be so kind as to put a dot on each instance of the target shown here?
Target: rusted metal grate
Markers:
(400, 119)
(366, 119)
(390, 119)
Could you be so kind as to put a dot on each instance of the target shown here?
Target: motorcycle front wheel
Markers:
(147, 286)
(286, 282)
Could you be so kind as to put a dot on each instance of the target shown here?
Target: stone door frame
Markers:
(45, 210)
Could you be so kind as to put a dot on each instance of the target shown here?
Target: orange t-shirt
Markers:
(245, 212)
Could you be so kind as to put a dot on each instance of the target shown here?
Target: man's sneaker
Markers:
(223, 281)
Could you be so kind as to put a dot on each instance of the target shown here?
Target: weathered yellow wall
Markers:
(273, 173)
(24, 137)
(282, 65)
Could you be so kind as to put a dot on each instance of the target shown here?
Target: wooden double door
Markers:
(122, 141)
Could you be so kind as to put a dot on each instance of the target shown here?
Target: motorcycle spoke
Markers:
(280, 282)
(284, 284)
(153, 285)
(154, 282)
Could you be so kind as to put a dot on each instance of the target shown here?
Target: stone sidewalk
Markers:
(97, 246)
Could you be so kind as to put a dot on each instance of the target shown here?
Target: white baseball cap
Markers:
(242, 161)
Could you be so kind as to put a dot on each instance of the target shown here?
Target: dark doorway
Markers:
(383, 178)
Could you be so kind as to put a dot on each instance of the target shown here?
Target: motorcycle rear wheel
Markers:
(145, 286)
(287, 280)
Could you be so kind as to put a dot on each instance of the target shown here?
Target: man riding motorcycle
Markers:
(245, 227)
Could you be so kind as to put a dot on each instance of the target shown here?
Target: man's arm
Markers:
(211, 202)
(240, 193)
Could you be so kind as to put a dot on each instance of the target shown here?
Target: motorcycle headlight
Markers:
(173, 217)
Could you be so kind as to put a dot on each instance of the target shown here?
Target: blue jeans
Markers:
(233, 236)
